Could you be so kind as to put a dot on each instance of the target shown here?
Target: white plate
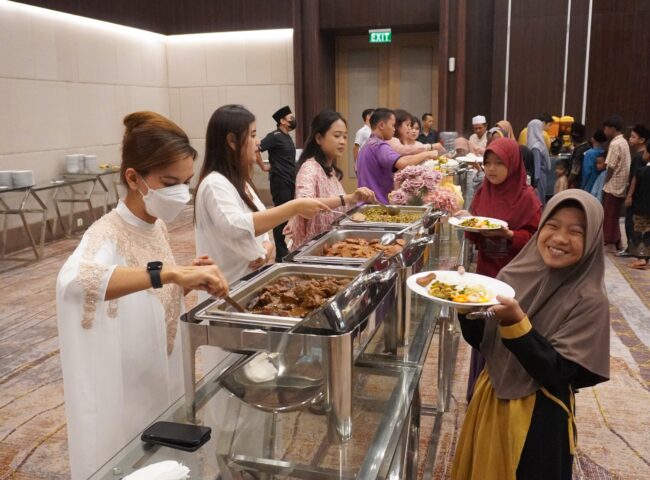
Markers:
(493, 286)
(456, 222)
(470, 159)
(451, 163)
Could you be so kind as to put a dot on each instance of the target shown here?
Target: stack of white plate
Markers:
(448, 140)
(23, 178)
(74, 163)
(5, 178)
(91, 163)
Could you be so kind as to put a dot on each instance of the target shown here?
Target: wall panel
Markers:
(577, 58)
(536, 67)
(619, 62)
(359, 15)
(479, 60)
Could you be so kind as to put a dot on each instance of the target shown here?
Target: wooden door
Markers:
(401, 74)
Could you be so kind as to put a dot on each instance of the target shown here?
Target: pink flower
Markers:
(443, 199)
(412, 186)
(397, 197)
(431, 179)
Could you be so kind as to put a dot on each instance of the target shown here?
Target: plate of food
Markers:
(456, 289)
(470, 158)
(477, 224)
(447, 162)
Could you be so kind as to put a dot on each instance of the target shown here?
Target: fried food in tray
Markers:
(295, 296)
(380, 215)
(361, 248)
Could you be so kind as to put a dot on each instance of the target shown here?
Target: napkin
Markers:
(167, 470)
(260, 368)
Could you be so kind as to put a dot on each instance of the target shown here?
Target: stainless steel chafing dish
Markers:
(344, 222)
(295, 358)
(410, 260)
(314, 251)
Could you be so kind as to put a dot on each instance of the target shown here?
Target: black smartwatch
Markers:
(154, 269)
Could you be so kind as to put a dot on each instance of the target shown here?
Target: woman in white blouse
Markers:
(119, 298)
(232, 223)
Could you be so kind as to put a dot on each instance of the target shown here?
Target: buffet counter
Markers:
(251, 442)
(294, 444)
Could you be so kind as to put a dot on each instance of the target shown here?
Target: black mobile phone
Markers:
(183, 436)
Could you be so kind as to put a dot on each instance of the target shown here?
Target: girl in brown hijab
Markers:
(551, 339)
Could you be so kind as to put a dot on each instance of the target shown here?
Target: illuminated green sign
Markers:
(383, 35)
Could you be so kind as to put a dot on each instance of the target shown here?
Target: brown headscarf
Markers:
(507, 128)
(569, 306)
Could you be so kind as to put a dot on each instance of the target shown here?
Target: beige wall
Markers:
(207, 71)
(66, 83)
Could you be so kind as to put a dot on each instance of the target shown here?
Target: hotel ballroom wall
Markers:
(66, 83)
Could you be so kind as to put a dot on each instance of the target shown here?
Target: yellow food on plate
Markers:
(474, 222)
(459, 293)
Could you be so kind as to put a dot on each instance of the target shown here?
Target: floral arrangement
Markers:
(419, 185)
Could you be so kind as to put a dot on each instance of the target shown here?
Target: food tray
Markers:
(313, 252)
(244, 291)
(344, 222)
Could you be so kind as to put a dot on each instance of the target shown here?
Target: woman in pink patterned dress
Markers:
(319, 177)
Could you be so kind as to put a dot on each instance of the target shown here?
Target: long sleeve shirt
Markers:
(535, 353)
(589, 172)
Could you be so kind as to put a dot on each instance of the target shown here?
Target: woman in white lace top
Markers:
(119, 298)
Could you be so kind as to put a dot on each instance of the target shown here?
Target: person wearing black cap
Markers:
(282, 157)
(580, 147)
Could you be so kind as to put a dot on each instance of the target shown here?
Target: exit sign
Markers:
(383, 35)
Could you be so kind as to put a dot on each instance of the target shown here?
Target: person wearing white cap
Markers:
(478, 140)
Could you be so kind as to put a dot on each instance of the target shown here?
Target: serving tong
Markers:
(233, 303)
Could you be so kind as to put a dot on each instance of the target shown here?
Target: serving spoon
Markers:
(390, 210)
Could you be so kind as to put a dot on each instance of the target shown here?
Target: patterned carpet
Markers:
(613, 418)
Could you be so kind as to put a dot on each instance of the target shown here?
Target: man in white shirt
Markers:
(362, 135)
(478, 140)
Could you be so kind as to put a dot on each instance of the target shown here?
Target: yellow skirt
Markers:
(493, 435)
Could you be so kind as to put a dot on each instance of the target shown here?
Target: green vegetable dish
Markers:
(380, 215)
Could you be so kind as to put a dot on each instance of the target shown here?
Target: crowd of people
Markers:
(120, 294)
(606, 165)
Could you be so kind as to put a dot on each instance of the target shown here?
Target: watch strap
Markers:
(154, 269)
(156, 281)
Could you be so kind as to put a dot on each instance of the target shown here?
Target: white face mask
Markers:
(166, 203)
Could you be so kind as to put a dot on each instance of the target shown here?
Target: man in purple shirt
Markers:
(377, 161)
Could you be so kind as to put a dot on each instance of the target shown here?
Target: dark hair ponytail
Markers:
(320, 125)
(152, 141)
(219, 157)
